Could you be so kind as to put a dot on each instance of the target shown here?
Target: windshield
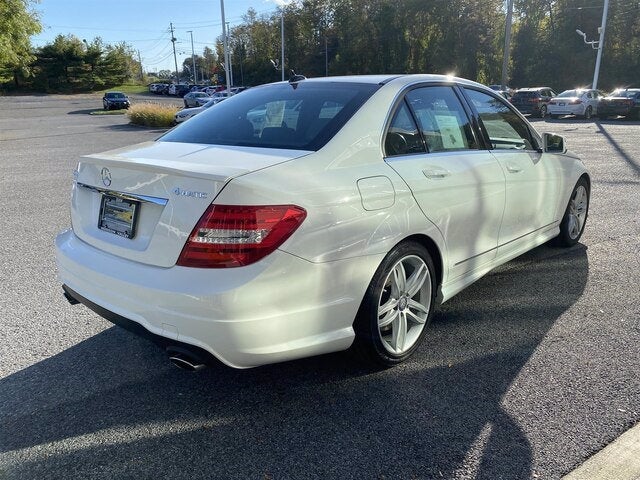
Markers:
(115, 95)
(302, 116)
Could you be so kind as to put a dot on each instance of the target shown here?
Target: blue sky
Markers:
(144, 24)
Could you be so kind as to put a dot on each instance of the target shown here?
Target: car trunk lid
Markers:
(142, 202)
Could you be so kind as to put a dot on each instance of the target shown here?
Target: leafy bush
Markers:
(152, 114)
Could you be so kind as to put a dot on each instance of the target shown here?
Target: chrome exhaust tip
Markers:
(184, 359)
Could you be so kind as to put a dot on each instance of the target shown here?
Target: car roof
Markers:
(532, 89)
(401, 79)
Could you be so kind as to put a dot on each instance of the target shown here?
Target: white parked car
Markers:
(187, 113)
(340, 219)
(580, 102)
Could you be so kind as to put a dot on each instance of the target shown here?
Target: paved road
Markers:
(524, 375)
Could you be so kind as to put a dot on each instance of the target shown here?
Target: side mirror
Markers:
(553, 143)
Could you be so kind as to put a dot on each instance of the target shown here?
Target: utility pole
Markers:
(226, 48)
(175, 59)
(326, 58)
(507, 43)
(282, 41)
(193, 59)
(140, 62)
(600, 44)
(230, 59)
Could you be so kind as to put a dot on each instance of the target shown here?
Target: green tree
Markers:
(17, 24)
(69, 64)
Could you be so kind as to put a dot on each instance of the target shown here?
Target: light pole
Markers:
(193, 59)
(597, 44)
(507, 44)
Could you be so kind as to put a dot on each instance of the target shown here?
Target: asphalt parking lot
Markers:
(525, 374)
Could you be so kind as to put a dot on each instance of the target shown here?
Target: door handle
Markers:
(436, 173)
(513, 169)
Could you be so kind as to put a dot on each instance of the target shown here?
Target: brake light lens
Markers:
(236, 235)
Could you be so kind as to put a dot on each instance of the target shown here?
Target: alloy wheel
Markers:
(404, 304)
(577, 211)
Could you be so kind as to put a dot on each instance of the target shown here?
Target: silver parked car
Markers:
(195, 99)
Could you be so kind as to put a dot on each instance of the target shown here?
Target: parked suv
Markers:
(533, 100)
(179, 89)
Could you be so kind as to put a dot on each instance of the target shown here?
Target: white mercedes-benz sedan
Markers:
(314, 216)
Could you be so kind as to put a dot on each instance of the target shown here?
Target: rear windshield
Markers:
(624, 93)
(571, 93)
(302, 116)
(526, 94)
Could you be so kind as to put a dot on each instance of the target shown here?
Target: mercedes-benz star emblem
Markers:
(106, 176)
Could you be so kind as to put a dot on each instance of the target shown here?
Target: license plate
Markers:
(118, 216)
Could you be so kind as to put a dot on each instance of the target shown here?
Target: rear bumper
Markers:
(278, 309)
(528, 108)
(613, 110)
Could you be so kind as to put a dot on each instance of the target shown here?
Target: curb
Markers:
(619, 460)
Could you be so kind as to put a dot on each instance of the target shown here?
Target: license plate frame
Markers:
(118, 216)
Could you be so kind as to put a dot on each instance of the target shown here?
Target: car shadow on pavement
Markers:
(113, 407)
(130, 127)
(627, 158)
(85, 111)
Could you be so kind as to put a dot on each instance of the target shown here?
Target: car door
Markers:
(459, 186)
(532, 177)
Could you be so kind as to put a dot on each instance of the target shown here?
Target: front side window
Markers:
(302, 116)
(506, 131)
(430, 119)
(441, 119)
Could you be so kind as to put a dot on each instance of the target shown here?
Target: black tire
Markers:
(577, 211)
(374, 343)
(543, 111)
(588, 113)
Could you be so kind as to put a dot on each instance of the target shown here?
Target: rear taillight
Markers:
(236, 235)
(575, 102)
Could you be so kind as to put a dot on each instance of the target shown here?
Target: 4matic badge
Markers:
(189, 193)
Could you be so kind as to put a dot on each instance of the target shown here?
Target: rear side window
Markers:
(403, 137)
(505, 129)
(302, 116)
(431, 117)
